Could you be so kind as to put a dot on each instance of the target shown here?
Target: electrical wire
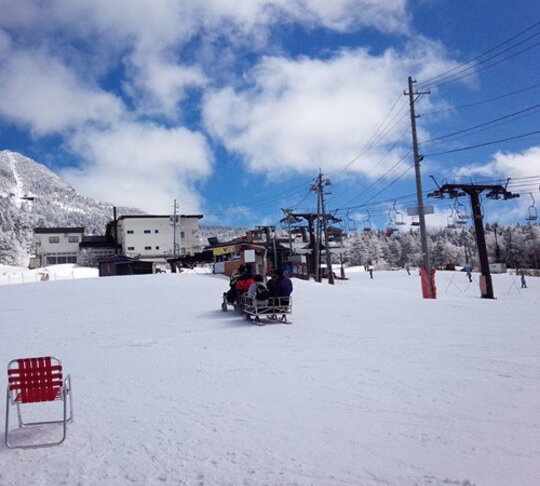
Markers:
(481, 125)
(481, 102)
(451, 75)
(485, 144)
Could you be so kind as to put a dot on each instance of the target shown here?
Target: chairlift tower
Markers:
(495, 191)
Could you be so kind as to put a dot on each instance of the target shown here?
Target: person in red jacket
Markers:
(244, 281)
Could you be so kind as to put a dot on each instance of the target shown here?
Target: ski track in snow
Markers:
(18, 189)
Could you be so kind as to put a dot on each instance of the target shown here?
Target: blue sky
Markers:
(233, 108)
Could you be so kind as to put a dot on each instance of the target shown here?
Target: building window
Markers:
(147, 247)
(73, 239)
(130, 232)
(131, 248)
(182, 234)
(147, 232)
(156, 231)
(157, 247)
(54, 239)
(60, 258)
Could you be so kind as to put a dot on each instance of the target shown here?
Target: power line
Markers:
(473, 69)
(481, 125)
(481, 102)
(493, 142)
(382, 130)
(461, 70)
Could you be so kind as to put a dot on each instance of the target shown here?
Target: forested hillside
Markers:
(516, 246)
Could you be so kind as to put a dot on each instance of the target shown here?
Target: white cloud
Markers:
(342, 15)
(166, 19)
(506, 164)
(155, 27)
(302, 114)
(143, 44)
(39, 92)
(141, 165)
(160, 85)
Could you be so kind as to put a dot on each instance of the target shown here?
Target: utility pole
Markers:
(428, 290)
(175, 245)
(310, 218)
(322, 226)
(288, 219)
(315, 188)
(270, 234)
(496, 191)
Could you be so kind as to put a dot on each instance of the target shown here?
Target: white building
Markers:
(58, 245)
(151, 236)
(147, 237)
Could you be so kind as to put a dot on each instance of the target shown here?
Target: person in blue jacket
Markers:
(283, 287)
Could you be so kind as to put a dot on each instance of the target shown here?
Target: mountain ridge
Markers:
(31, 195)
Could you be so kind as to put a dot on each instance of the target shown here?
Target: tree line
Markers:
(517, 246)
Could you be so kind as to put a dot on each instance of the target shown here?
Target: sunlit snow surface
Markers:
(371, 385)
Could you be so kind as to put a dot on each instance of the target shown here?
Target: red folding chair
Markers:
(34, 380)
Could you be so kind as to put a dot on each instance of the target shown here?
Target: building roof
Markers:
(60, 229)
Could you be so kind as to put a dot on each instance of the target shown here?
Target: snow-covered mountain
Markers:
(32, 196)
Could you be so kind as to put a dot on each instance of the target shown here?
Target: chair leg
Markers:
(6, 436)
(66, 391)
(19, 415)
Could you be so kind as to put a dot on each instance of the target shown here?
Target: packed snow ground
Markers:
(372, 385)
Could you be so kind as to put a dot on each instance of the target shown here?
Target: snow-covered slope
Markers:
(370, 386)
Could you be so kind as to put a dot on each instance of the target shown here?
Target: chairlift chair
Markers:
(351, 224)
(461, 213)
(33, 381)
(451, 220)
(391, 228)
(398, 216)
(367, 223)
(532, 214)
